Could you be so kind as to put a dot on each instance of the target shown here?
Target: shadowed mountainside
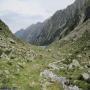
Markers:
(57, 26)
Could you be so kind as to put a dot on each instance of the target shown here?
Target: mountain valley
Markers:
(53, 55)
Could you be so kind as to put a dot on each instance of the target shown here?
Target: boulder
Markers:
(85, 76)
(11, 41)
(74, 64)
(79, 56)
(74, 88)
(53, 66)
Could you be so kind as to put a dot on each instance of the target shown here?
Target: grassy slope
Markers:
(69, 49)
(21, 64)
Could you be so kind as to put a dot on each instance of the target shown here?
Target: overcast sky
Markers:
(19, 14)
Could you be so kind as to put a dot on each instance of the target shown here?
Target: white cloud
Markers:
(22, 7)
(17, 21)
(21, 13)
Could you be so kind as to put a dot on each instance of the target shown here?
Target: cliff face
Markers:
(59, 25)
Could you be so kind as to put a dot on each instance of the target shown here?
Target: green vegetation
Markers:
(74, 50)
(21, 64)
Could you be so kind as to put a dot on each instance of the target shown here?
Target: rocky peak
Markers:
(59, 25)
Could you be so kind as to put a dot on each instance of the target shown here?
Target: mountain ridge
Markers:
(57, 26)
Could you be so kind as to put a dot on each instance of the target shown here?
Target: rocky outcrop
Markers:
(53, 77)
(58, 26)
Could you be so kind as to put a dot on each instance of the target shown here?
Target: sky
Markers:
(19, 14)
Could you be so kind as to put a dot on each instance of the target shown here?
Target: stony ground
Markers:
(65, 64)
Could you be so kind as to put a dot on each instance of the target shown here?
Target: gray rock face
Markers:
(58, 26)
(20, 33)
(31, 33)
(53, 77)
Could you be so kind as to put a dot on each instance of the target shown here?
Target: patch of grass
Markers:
(55, 86)
(83, 85)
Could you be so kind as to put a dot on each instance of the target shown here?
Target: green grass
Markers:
(79, 47)
(23, 63)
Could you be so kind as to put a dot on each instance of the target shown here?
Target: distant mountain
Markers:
(31, 33)
(20, 33)
(57, 26)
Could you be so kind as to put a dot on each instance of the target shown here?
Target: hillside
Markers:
(63, 65)
(21, 63)
(57, 26)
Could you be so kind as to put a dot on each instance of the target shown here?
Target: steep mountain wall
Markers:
(58, 26)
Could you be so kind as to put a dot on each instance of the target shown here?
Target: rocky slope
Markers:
(21, 63)
(57, 26)
(63, 65)
(73, 58)
(14, 56)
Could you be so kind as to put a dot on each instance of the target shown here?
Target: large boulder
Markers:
(74, 64)
(85, 76)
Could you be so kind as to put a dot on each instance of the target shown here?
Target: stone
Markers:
(18, 70)
(70, 54)
(53, 77)
(85, 76)
(5, 57)
(53, 66)
(11, 41)
(49, 50)
(48, 75)
(89, 70)
(20, 64)
(79, 56)
(74, 64)
(74, 88)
